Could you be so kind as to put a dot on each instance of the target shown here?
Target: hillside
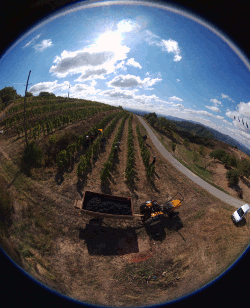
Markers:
(195, 155)
(206, 131)
(115, 263)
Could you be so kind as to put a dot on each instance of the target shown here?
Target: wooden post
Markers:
(24, 116)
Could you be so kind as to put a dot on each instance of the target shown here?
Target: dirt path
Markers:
(211, 189)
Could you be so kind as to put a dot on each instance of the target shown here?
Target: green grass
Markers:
(201, 175)
(195, 168)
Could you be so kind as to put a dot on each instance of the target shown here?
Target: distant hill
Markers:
(198, 129)
(206, 131)
(229, 140)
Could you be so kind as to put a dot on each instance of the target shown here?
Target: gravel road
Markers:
(211, 189)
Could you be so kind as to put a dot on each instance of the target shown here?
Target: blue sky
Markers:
(141, 57)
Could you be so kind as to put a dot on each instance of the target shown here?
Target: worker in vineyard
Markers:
(153, 162)
(116, 148)
(118, 143)
(92, 137)
(103, 144)
(87, 140)
(144, 137)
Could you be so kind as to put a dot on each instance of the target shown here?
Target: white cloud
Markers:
(48, 87)
(226, 96)
(93, 83)
(232, 114)
(31, 43)
(118, 93)
(178, 80)
(213, 108)
(178, 106)
(121, 65)
(175, 98)
(130, 81)
(93, 74)
(83, 89)
(127, 25)
(219, 117)
(215, 101)
(244, 109)
(172, 46)
(91, 62)
(43, 45)
(169, 45)
(132, 62)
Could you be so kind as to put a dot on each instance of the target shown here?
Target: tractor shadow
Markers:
(108, 241)
(158, 233)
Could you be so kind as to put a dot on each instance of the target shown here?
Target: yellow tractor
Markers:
(173, 204)
(153, 213)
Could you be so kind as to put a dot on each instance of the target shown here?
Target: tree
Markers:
(217, 154)
(46, 94)
(8, 94)
(233, 161)
(201, 150)
(173, 146)
(195, 156)
(232, 177)
(29, 94)
(226, 160)
(243, 168)
(186, 142)
(152, 120)
(151, 114)
(206, 161)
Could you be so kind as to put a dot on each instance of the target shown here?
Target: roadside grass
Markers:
(194, 167)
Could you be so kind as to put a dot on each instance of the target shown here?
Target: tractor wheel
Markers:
(143, 208)
(167, 207)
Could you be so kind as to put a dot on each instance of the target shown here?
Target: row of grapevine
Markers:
(150, 168)
(129, 171)
(50, 104)
(45, 110)
(93, 149)
(47, 124)
(105, 173)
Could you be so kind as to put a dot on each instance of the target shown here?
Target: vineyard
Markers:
(77, 146)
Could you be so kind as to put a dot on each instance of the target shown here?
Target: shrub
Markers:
(232, 177)
(52, 139)
(217, 154)
(31, 157)
(186, 142)
(173, 146)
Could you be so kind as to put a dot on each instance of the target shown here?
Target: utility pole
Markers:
(24, 116)
(68, 91)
